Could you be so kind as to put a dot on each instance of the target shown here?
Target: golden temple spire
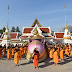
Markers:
(7, 24)
(7, 17)
(65, 17)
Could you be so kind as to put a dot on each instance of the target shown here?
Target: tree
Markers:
(13, 29)
(69, 28)
(17, 29)
(4, 29)
(52, 33)
(1, 31)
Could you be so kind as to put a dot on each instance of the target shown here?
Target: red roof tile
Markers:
(59, 35)
(13, 35)
(44, 30)
(0, 40)
(57, 39)
(24, 36)
(15, 40)
(27, 30)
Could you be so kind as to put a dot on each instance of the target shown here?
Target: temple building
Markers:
(29, 32)
(63, 37)
(35, 29)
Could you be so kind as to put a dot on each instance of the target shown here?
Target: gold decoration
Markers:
(34, 23)
(42, 56)
(67, 33)
(7, 24)
(65, 26)
(36, 43)
(66, 37)
(36, 32)
(36, 37)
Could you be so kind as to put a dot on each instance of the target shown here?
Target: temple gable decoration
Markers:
(36, 22)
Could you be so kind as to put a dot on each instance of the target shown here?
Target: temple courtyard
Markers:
(26, 66)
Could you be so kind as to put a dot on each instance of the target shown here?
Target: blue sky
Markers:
(22, 13)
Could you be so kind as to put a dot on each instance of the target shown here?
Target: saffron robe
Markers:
(16, 58)
(67, 51)
(55, 58)
(51, 53)
(4, 52)
(9, 54)
(36, 60)
(62, 54)
(71, 53)
(0, 52)
(13, 51)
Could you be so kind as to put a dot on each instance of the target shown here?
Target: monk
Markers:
(13, 52)
(0, 51)
(25, 49)
(51, 53)
(67, 51)
(62, 54)
(71, 51)
(16, 58)
(35, 59)
(9, 53)
(4, 51)
(55, 58)
(21, 49)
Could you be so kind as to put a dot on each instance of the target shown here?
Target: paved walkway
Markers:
(25, 66)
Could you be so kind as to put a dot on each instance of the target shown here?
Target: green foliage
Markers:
(17, 29)
(69, 28)
(52, 33)
(1, 31)
(13, 29)
(4, 29)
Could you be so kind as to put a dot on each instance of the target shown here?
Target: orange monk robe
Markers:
(8, 54)
(64, 49)
(71, 53)
(51, 53)
(21, 49)
(0, 52)
(4, 52)
(67, 51)
(55, 58)
(12, 51)
(58, 51)
(62, 54)
(48, 51)
(25, 49)
(19, 52)
(36, 60)
(16, 58)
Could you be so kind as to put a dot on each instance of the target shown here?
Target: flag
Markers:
(8, 7)
(64, 6)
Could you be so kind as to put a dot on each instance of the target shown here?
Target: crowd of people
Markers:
(11, 51)
(54, 51)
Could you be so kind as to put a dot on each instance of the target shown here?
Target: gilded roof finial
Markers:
(7, 17)
(65, 17)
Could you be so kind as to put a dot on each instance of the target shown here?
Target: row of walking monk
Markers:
(54, 51)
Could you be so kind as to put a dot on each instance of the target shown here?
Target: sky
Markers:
(22, 13)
